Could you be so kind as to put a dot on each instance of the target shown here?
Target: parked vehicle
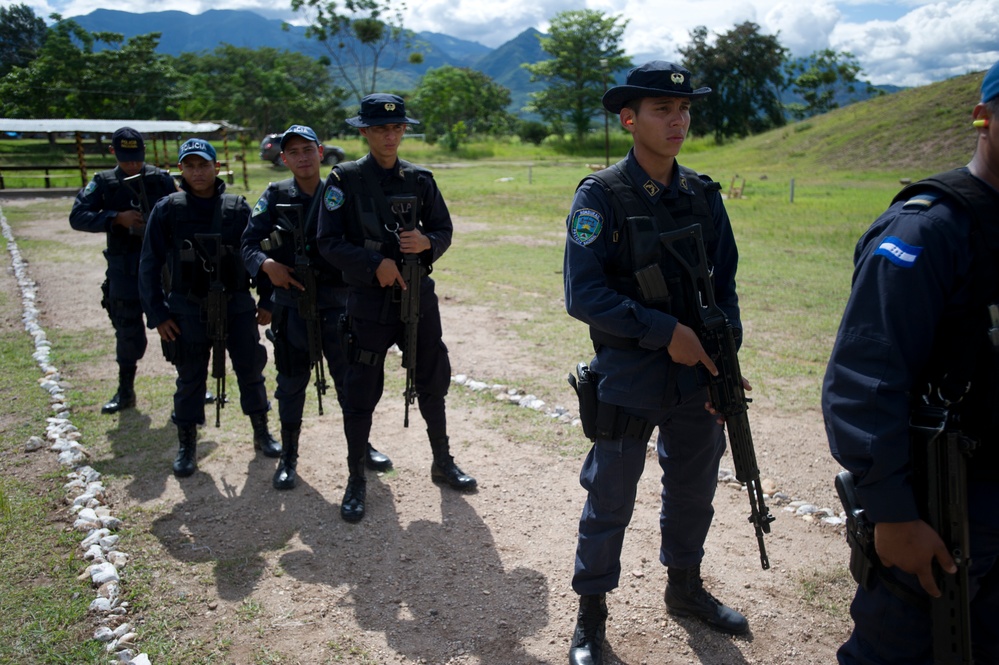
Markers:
(270, 151)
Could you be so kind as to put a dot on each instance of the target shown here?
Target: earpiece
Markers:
(984, 122)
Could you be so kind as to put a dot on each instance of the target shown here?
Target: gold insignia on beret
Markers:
(651, 187)
(390, 106)
(677, 78)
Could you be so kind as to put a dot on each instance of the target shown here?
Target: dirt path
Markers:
(431, 576)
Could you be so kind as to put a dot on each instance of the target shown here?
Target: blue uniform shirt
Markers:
(636, 377)
(911, 267)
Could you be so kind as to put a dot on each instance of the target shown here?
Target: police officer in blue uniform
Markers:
(116, 202)
(360, 235)
(302, 153)
(650, 368)
(176, 237)
(917, 329)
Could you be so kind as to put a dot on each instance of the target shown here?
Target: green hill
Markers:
(919, 130)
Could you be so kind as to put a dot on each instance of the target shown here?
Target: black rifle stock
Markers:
(137, 185)
(728, 397)
(215, 309)
(943, 456)
(404, 208)
(308, 300)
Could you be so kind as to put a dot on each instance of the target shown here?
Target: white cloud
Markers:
(930, 43)
(803, 27)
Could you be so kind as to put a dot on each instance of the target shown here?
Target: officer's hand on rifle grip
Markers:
(413, 242)
(263, 317)
(128, 218)
(685, 348)
(388, 274)
(281, 275)
(912, 547)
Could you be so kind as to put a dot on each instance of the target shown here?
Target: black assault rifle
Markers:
(941, 453)
(137, 185)
(728, 397)
(404, 208)
(308, 300)
(215, 308)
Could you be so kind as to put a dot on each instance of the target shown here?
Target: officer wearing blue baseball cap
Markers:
(196, 233)
(285, 262)
(650, 371)
(117, 203)
(376, 214)
(917, 345)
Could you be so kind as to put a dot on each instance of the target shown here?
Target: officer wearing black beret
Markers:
(362, 234)
(650, 367)
(117, 202)
(919, 338)
(196, 233)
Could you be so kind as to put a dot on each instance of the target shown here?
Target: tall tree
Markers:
(363, 38)
(21, 36)
(71, 78)
(455, 101)
(586, 53)
(263, 89)
(820, 77)
(744, 68)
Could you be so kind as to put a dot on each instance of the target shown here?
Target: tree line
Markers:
(65, 71)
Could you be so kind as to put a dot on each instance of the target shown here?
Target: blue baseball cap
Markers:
(128, 145)
(198, 147)
(990, 84)
(382, 109)
(306, 133)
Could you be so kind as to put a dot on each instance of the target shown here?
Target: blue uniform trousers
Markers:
(890, 630)
(364, 382)
(125, 309)
(293, 381)
(690, 445)
(247, 354)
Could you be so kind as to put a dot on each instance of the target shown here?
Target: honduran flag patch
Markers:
(898, 252)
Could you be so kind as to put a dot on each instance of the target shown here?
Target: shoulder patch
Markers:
(333, 197)
(585, 226)
(91, 186)
(898, 252)
(261, 206)
(922, 201)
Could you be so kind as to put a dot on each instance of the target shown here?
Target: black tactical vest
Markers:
(120, 197)
(287, 192)
(636, 244)
(964, 354)
(191, 260)
(369, 219)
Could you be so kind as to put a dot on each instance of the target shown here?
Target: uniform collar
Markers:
(654, 189)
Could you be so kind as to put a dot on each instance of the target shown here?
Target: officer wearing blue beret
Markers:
(302, 153)
(361, 233)
(650, 367)
(920, 332)
(117, 202)
(196, 233)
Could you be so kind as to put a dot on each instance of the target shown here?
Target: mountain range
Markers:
(182, 32)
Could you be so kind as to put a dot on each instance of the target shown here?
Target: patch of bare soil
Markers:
(430, 575)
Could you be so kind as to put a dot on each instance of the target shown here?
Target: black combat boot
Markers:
(352, 506)
(686, 596)
(377, 461)
(187, 455)
(285, 476)
(587, 646)
(262, 439)
(444, 470)
(125, 397)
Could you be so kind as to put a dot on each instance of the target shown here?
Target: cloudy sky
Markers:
(900, 42)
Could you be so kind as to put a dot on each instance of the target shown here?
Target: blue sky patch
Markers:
(898, 252)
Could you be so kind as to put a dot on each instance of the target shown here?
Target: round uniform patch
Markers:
(333, 198)
(586, 226)
(91, 186)
(260, 207)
